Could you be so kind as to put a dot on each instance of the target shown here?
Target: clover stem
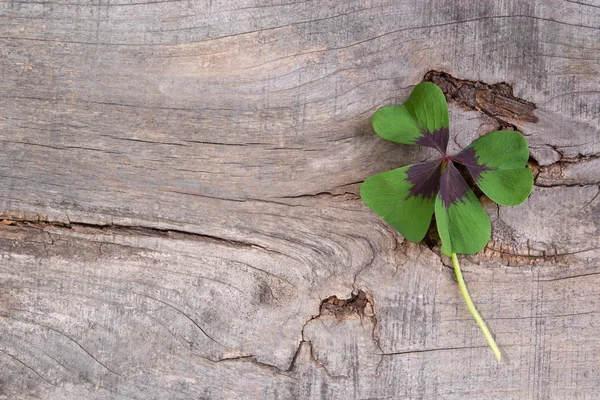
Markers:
(465, 293)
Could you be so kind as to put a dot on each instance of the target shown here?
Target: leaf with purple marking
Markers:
(405, 197)
(497, 162)
(422, 119)
(463, 224)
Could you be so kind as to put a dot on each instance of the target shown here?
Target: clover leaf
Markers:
(407, 197)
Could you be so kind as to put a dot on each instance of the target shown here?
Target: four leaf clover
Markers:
(407, 197)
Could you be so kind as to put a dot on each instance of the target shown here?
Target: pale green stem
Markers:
(465, 293)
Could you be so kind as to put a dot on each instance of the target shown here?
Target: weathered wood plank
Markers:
(179, 196)
(131, 312)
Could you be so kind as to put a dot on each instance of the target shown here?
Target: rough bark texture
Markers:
(180, 211)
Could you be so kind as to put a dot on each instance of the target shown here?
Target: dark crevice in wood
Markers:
(344, 308)
(513, 255)
(39, 222)
(534, 166)
(553, 175)
(563, 184)
(252, 359)
(313, 359)
(296, 354)
(496, 101)
(332, 193)
(432, 238)
(228, 144)
(358, 304)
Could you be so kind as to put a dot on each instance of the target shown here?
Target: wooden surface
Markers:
(179, 201)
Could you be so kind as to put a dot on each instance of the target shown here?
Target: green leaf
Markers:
(404, 197)
(497, 162)
(463, 224)
(422, 119)
(508, 187)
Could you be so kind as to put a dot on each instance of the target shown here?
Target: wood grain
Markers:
(179, 195)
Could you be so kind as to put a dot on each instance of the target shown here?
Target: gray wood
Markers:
(180, 214)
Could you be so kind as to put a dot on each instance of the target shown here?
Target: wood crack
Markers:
(82, 348)
(40, 222)
(27, 366)
(193, 321)
(496, 101)
(569, 171)
(358, 304)
(398, 353)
